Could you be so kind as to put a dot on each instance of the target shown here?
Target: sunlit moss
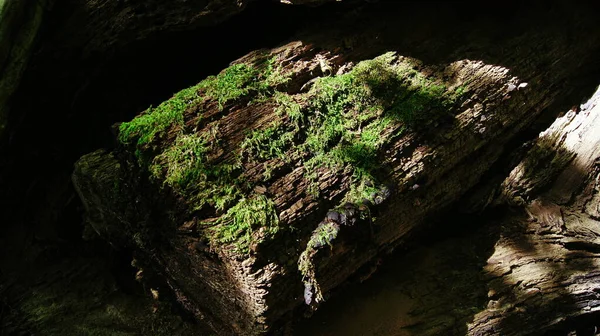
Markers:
(154, 122)
(185, 168)
(241, 221)
(351, 112)
(234, 82)
(268, 143)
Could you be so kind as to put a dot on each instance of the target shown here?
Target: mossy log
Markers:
(263, 188)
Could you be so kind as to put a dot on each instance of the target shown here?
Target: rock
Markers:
(334, 216)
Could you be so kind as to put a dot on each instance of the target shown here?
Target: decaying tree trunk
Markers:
(352, 163)
(544, 272)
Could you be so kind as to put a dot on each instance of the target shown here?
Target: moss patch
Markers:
(234, 82)
(241, 221)
(154, 122)
(353, 111)
(231, 84)
(269, 143)
(185, 168)
(349, 118)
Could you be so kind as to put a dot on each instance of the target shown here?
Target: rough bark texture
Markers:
(426, 168)
(544, 272)
(99, 62)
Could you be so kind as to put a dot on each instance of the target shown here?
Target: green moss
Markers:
(342, 123)
(231, 84)
(242, 79)
(346, 117)
(185, 162)
(276, 139)
(189, 166)
(241, 221)
(274, 75)
(286, 105)
(323, 235)
(460, 91)
(346, 122)
(186, 169)
(363, 189)
(154, 122)
(352, 112)
(268, 143)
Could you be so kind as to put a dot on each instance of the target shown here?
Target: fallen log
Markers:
(268, 185)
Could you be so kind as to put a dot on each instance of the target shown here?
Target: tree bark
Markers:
(544, 271)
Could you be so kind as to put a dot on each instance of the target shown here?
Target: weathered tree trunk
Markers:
(544, 271)
(438, 126)
(136, 52)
